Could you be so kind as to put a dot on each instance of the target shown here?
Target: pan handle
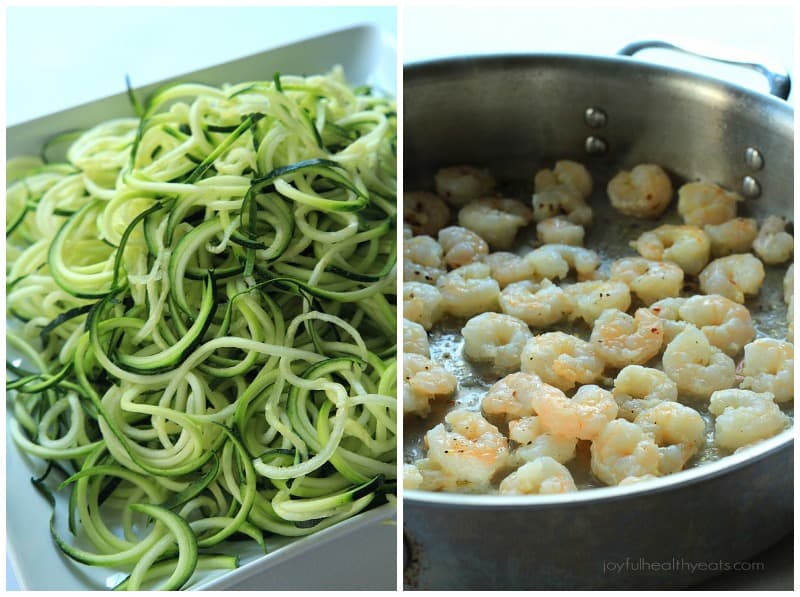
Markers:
(776, 76)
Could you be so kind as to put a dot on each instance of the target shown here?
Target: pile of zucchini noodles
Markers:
(206, 298)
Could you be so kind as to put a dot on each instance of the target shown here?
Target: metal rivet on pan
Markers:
(595, 117)
(753, 158)
(750, 187)
(596, 145)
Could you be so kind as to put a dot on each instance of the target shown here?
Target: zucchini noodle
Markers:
(204, 319)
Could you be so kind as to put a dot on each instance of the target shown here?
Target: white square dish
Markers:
(360, 553)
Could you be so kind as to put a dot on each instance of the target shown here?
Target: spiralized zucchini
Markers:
(207, 320)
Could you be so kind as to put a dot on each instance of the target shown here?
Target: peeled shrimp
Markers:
(733, 236)
(507, 267)
(495, 219)
(744, 417)
(415, 338)
(559, 230)
(687, 246)
(593, 297)
(468, 290)
(536, 303)
(620, 339)
(701, 203)
(733, 276)
(556, 261)
(622, 450)
(461, 246)
(541, 476)
(561, 200)
(644, 192)
(423, 381)
(565, 173)
(422, 260)
(725, 323)
(422, 303)
(773, 244)
(459, 185)
(424, 212)
(534, 441)
(638, 388)
(768, 366)
(649, 280)
(697, 367)
(561, 360)
(583, 416)
(496, 339)
(512, 397)
(679, 432)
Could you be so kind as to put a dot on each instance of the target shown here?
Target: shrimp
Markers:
(697, 367)
(561, 360)
(496, 338)
(415, 338)
(594, 297)
(668, 310)
(471, 452)
(644, 192)
(461, 246)
(773, 244)
(623, 450)
(744, 417)
(559, 230)
(687, 246)
(422, 260)
(733, 276)
(412, 477)
(620, 339)
(649, 280)
(583, 416)
(425, 212)
(459, 185)
(556, 261)
(725, 323)
(495, 219)
(422, 303)
(541, 476)
(507, 267)
(565, 173)
(423, 381)
(538, 304)
(512, 396)
(701, 203)
(561, 200)
(533, 441)
(768, 366)
(638, 388)
(733, 236)
(679, 432)
(468, 290)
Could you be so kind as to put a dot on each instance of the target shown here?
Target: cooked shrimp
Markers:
(422, 303)
(744, 417)
(620, 339)
(638, 388)
(422, 260)
(644, 192)
(512, 397)
(507, 267)
(495, 219)
(561, 360)
(423, 381)
(559, 230)
(497, 339)
(734, 236)
(701, 203)
(768, 366)
(541, 476)
(697, 367)
(733, 276)
(583, 416)
(622, 450)
(461, 246)
(471, 452)
(468, 290)
(649, 280)
(565, 173)
(679, 432)
(556, 261)
(669, 311)
(773, 244)
(594, 297)
(561, 200)
(687, 246)
(459, 185)
(424, 212)
(534, 441)
(415, 338)
(725, 323)
(539, 304)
